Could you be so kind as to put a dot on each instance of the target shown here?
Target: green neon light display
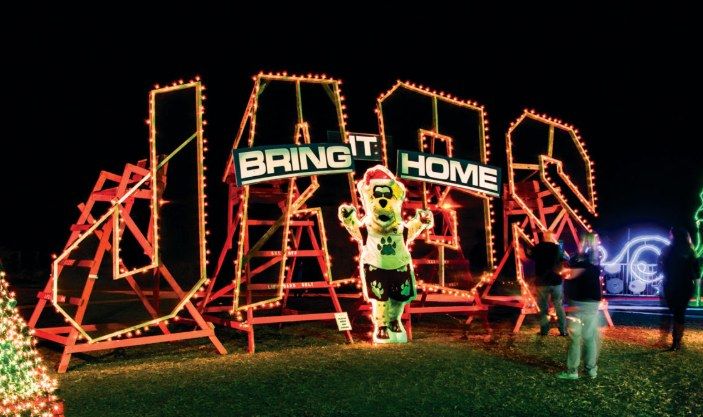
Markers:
(698, 249)
(698, 220)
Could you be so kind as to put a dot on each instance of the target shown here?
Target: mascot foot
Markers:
(381, 335)
(398, 334)
(399, 337)
(395, 326)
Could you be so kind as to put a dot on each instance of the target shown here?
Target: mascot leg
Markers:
(379, 316)
(395, 324)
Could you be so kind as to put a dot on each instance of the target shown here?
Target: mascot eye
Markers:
(379, 194)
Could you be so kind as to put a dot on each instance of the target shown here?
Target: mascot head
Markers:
(382, 197)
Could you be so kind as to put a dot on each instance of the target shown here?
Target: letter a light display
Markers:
(276, 244)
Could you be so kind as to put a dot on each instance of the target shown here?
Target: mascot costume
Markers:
(385, 266)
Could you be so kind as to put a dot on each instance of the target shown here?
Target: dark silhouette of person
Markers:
(679, 265)
(548, 257)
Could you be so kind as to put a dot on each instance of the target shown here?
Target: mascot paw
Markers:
(377, 288)
(346, 210)
(425, 217)
(405, 288)
(387, 246)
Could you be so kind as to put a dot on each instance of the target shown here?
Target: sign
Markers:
(365, 146)
(443, 170)
(265, 163)
(343, 322)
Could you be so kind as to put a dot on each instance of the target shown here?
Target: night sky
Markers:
(77, 94)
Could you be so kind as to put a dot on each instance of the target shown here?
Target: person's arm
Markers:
(572, 273)
(563, 256)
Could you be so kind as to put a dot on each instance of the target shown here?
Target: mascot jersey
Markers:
(385, 251)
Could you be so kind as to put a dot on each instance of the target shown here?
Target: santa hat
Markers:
(380, 175)
(379, 172)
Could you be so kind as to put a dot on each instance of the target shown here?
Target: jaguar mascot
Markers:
(386, 267)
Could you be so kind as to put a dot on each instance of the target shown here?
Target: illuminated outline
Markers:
(434, 135)
(293, 206)
(114, 213)
(698, 220)
(588, 200)
(637, 268)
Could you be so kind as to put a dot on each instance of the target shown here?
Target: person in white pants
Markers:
(584, 292)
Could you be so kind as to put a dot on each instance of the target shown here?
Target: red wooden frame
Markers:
(464, 301)
(531, 207)
(302, 220)
(560, 224)
(223, 294)
(111, 187)
(433, 197)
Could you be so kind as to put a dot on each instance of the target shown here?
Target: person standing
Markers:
(680, 268)
(584, 292)
(548, 257)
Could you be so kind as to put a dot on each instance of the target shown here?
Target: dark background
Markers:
(76, 93)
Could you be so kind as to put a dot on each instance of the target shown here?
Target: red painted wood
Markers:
(137, 341)
(109, 186)
(274, 195)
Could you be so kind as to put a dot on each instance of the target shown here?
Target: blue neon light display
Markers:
(630, 256)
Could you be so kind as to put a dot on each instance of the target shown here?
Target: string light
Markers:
(294, 210)
(537, 223)
(434, 198)
(589, 201)
(118, 215)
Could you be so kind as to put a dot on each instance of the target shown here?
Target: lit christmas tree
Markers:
(26, 389)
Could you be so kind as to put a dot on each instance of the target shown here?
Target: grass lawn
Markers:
(307, 370)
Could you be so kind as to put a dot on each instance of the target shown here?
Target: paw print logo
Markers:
(377, 288)
(387, 246)
(405, 288)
